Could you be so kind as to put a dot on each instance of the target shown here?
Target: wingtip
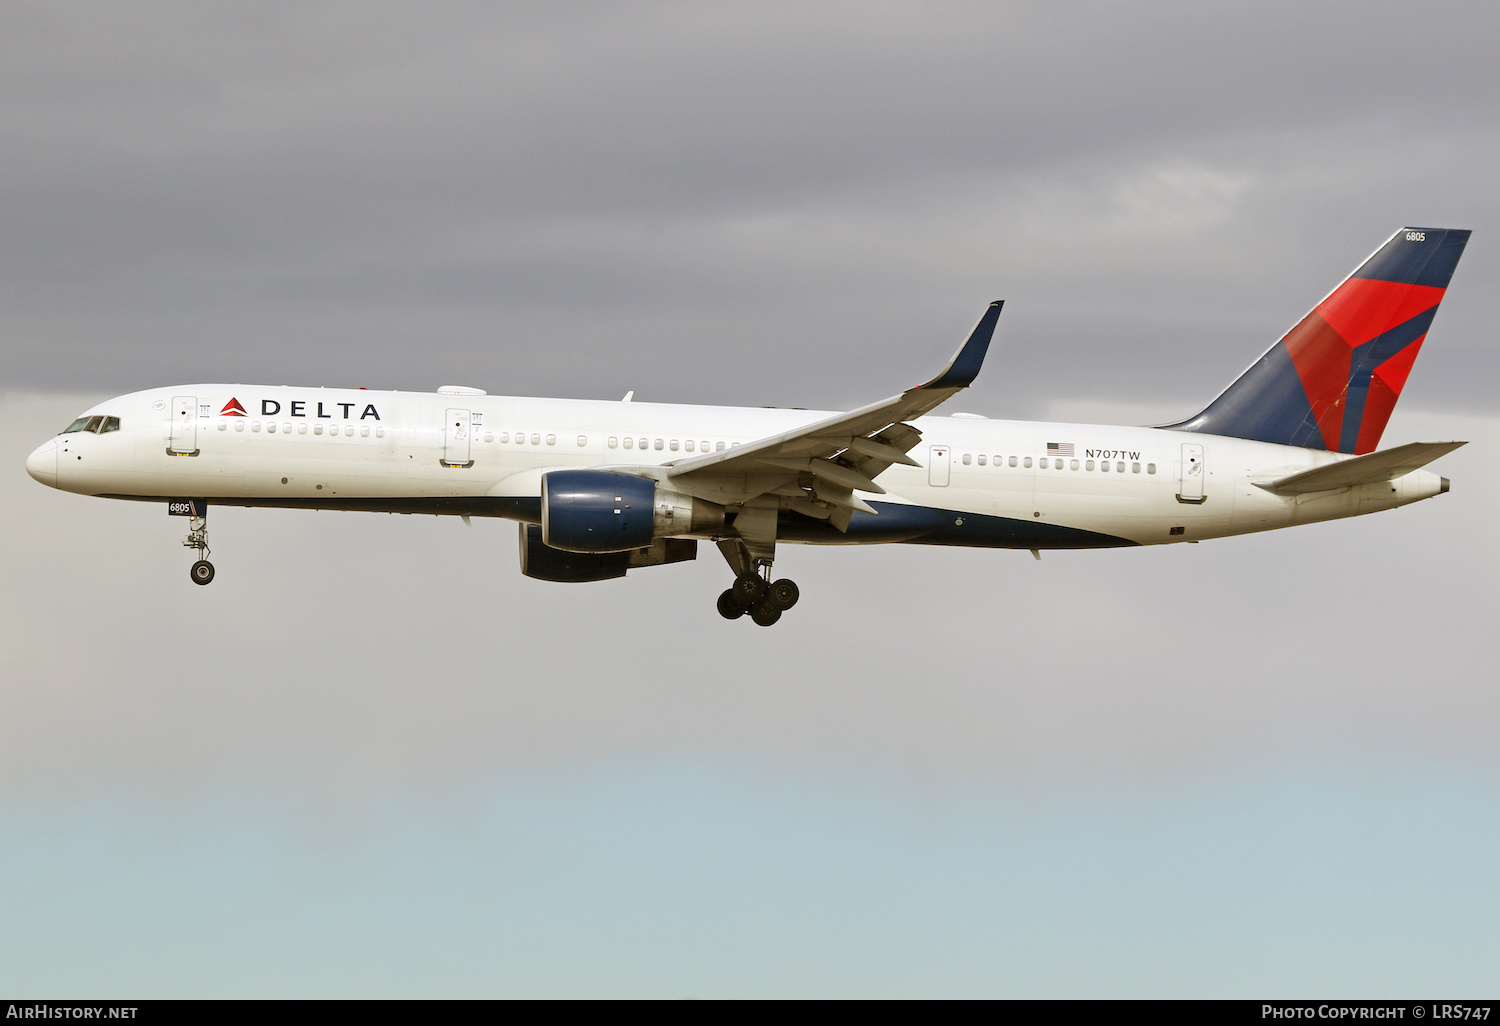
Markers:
(964, 367)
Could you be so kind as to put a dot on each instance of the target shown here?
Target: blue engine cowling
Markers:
(547, 564)
(597, 511)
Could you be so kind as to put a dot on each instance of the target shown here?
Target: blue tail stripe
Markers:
(1267, 403)
(1362, 366)
(1428, 259)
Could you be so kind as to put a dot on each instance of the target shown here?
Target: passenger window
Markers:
(1135, 468)
(1151, 468)
(1028, 461)
(551, 439)
(223, 426)
(673, 445)
(705, 446)
(113, 424)
(301, 429)
(255, 425)
(1104, 466)
(718, 447)
(583, 440)
(504, 435)
(966, 459)
(688, 445)
(614, 441)
(1120, 467)
(1073, 465)
(1042, 463)
(76, 426)
(1013, 462)
(644, 443)
(239, 425)
(536, 439)
(271, 427)
(380, 433)
(489, 436)
(317, 429)
(364, 431)
(629, 442)
(1088, 464)
(981, 461)
(658, 443)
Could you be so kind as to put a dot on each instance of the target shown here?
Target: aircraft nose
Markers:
(42, 464)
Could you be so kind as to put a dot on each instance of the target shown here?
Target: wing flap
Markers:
(1373, 468)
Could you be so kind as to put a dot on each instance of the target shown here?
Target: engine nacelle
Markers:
(549, 564)
(600, 511)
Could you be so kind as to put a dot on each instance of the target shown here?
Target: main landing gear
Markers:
(764, 599)
(202, 571)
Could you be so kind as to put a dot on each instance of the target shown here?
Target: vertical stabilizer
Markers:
(1333, 380)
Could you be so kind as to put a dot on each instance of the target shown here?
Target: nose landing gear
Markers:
(202, 571)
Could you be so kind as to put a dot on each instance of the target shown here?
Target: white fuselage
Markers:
(465, 453)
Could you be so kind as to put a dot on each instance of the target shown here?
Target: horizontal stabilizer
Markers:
(1372, 469)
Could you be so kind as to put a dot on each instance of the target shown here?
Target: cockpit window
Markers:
(98, 425)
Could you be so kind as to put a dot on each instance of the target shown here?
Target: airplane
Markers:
(600, 488)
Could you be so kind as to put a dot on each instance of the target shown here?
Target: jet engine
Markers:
(549, 564)
(603, 511)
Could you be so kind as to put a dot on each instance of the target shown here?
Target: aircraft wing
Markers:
(843, 454)
(1371, 468)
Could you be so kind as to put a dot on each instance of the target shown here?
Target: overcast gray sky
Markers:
(373, 759)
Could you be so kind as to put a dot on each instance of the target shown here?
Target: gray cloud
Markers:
(577, 201)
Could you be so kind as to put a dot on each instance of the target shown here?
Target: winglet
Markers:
(964, 367)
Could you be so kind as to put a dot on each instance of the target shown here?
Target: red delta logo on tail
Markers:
(1333, 380)
(233, 409)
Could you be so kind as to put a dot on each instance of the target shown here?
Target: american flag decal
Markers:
(1059, 448)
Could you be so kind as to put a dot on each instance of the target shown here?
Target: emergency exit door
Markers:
(456, 434)
(939, 465)
(183, 440)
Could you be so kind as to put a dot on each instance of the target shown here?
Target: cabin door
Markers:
(939, 465)
(184, 438)
(456, 434)
(1190, 474)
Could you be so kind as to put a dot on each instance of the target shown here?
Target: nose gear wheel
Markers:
(201, 571)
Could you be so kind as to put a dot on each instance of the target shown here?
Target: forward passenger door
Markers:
(183, 440)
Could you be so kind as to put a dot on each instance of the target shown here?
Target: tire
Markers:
(201, 572)
(748, 589)
(765, 613)
(784, 594)
(729, 606)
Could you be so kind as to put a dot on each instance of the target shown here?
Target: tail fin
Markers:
(1333, 380)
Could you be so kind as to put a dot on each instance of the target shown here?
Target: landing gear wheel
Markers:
(748, 589)
(765, 613)
(730, 607)
(783, 594)
(201, 572)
